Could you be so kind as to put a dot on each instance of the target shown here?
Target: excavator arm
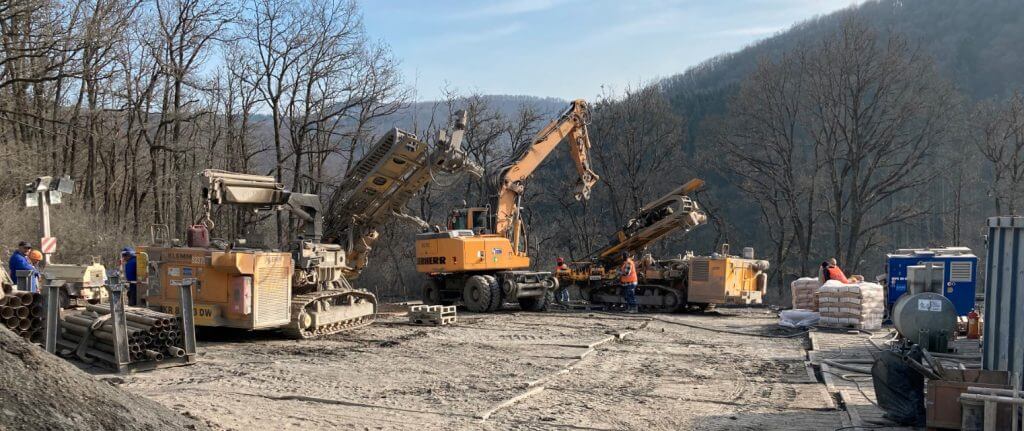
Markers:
(571, 125)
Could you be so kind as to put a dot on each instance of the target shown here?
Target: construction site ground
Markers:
(855, 392)
(509, 370)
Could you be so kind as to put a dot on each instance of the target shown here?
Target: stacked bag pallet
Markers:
(805, 293)
(858, 306)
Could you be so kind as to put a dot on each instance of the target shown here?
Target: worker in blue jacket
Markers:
(19, 261)
(131, 274)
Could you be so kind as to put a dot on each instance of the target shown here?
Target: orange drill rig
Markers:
(667, 285)
(304, 292)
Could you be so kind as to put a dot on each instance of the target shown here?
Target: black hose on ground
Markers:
(843, 365)
(727, 331)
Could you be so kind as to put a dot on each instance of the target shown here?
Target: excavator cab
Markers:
(476, 219)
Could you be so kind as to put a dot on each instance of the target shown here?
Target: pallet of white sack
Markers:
(867, 323)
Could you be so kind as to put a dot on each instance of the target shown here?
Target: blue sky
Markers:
(568, 48)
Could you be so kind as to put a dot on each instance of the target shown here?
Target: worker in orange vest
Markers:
(628, 279)
(830, 271)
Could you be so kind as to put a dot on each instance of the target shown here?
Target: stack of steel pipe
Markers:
(152, 336)
(24, 313)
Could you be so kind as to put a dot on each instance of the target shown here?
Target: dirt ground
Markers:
(391, 375)
(40, 391)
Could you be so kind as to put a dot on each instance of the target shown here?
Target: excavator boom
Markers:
(571, 125)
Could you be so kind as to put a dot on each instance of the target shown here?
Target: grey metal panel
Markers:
(1003, 347)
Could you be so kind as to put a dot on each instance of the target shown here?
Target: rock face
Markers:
(40, 391)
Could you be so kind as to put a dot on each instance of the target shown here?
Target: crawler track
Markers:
(335, 298)
(652, 298)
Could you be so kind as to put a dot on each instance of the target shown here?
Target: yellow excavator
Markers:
(305, 292)
(480, 257)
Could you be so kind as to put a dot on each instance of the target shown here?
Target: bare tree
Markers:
(187, 29)
(638, 149)
(879, 111)
(1000, 130)
(776, 164)
(846, 129)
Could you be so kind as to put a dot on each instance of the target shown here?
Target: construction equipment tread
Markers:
(299, 303)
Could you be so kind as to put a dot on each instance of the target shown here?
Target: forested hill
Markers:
(425, 115)
(963, 58)
(976, 44)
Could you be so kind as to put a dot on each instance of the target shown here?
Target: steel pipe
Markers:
(26, 298)
(81, 331)
(128, 315)
(106, 326)
(91, 352)
(94, 344)
(153, 355)
(177, 352)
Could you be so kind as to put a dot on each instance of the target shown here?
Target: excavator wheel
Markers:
(538, 303)
(480, 294)
(498, 297)
(431, 294)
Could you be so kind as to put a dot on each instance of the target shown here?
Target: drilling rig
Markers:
(667, 285)
(305, 291)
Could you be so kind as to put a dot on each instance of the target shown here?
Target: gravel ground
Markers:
(390, 375)
(39, 391)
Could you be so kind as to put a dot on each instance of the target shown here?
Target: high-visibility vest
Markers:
(628, 272)
(834, 273)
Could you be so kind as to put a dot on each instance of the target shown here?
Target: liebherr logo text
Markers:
(430, 260)
(178, 256)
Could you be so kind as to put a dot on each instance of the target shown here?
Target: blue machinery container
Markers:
(960, 270)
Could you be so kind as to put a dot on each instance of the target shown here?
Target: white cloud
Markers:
(651, 22)
(752, 31)
(456, 39)
(506, 8)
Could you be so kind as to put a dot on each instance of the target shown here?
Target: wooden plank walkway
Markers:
(854, 390)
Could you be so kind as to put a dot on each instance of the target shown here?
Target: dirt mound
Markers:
(42, 391)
